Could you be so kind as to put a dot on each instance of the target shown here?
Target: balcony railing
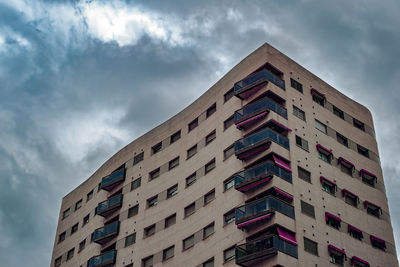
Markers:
(103, 260)
(258, 139)
(262, 207)
(256, 79)
(104, 234)
(259, 173)
(108, 182)
(255, 251)
(256, 108)
(108, 206)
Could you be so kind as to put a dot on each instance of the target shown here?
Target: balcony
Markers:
(247, 147)
(260, 174)
(249, 85)
(104, 260)
(106, 233)
(253, 252)
(107, 207)
(111, 181)
(262, 209)
(255, 111)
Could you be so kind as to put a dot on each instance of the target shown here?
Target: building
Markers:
(270, 167)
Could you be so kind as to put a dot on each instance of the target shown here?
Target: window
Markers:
(191, 180)
(304, 174)
(148, 262)
(189, 210)
(171, 220)
(299, 113)
(337, 258)
(175, 137)
(133, 210)
(346, 169)
(61, 237)
(307, 209)
(82, 245)
(319, 99)
(66, 213)
(78, 204)
(372, 209)
(363, 151)
(228, 95)
(172, 191)
(156, 148)
(150, 230)
(296, 85)
(354, 232)
(208, 230)
(303, 143)
(129, 265)
(229, 122)
(151, 202)
(229, 254)
(193, 124)
(328, 186)
(168, 253)
(209, 263)
(341, 139)
(89, 196)
(74, 228)
(325, 157)
(332, 220)
(188, 242)
(310, 246)
(154, 174)
(229, 151)
(86, 219)
(70, 254)
(57, 262)
(229, 217)
(209, 166)
(136, 183)
(209, 197)
(211, 110)
(338, 112)
(130, 239)
(210, 137)
(368, 178)
(191, 151)
(358, 124)
(320, 126)
(229, 183)
(138, 158)
(173, 163)
(377, 242)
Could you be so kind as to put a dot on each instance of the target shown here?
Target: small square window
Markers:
(229, 254)
(175, 137)
(310, 246)
(61, 237)
(209, 197)
(319, 99)
(363, 151)
(325, 157)
(336, 258)
(228, 95)
(130, 239)
(332, 222)
(150, 230)
(189, 210)
(173, 163)
(66, 213)
(328, 187)
(191, 151)
(373, 210)
(168, 253)
(358, 124)
(296, 85)
(172, 191)
(57, 262)
(138, 158)
(338, 112)
(89, 196)
(229, 183)
(229, 122)
(299, 113)
(307, 209)
(303, 143)
(341, 139)
(78, 204)
(346, 169)
(208, 230)
(133, 211)
(169, 221)
(209, 263)
(154, 174)
(188, 242)
(229, 151)
(136, 183)
(156, 148)
(193, 124)
(229, 217)
(210, 137)
(191, 180)
(86, 219)
(379, 244)
(151, 202)
(304, 174)
(209, 166)
(148, 261)
(70, 254)
(320, 126)
(211, 110)
(356, 234)
(82, 245)
(74, 228)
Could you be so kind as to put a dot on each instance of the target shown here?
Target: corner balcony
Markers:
(105, 234)
(107, 207)
(109, 182)
(251, 145)
(253, 252)
(254, 112)
(247, 215)
(249, 85)
(104, 260)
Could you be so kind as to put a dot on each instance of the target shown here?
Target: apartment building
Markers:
(269, 167)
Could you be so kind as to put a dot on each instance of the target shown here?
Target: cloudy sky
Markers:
(77, 78)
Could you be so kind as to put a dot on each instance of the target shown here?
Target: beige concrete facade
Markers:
(209, 243)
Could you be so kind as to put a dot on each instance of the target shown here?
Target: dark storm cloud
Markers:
(75, 89)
